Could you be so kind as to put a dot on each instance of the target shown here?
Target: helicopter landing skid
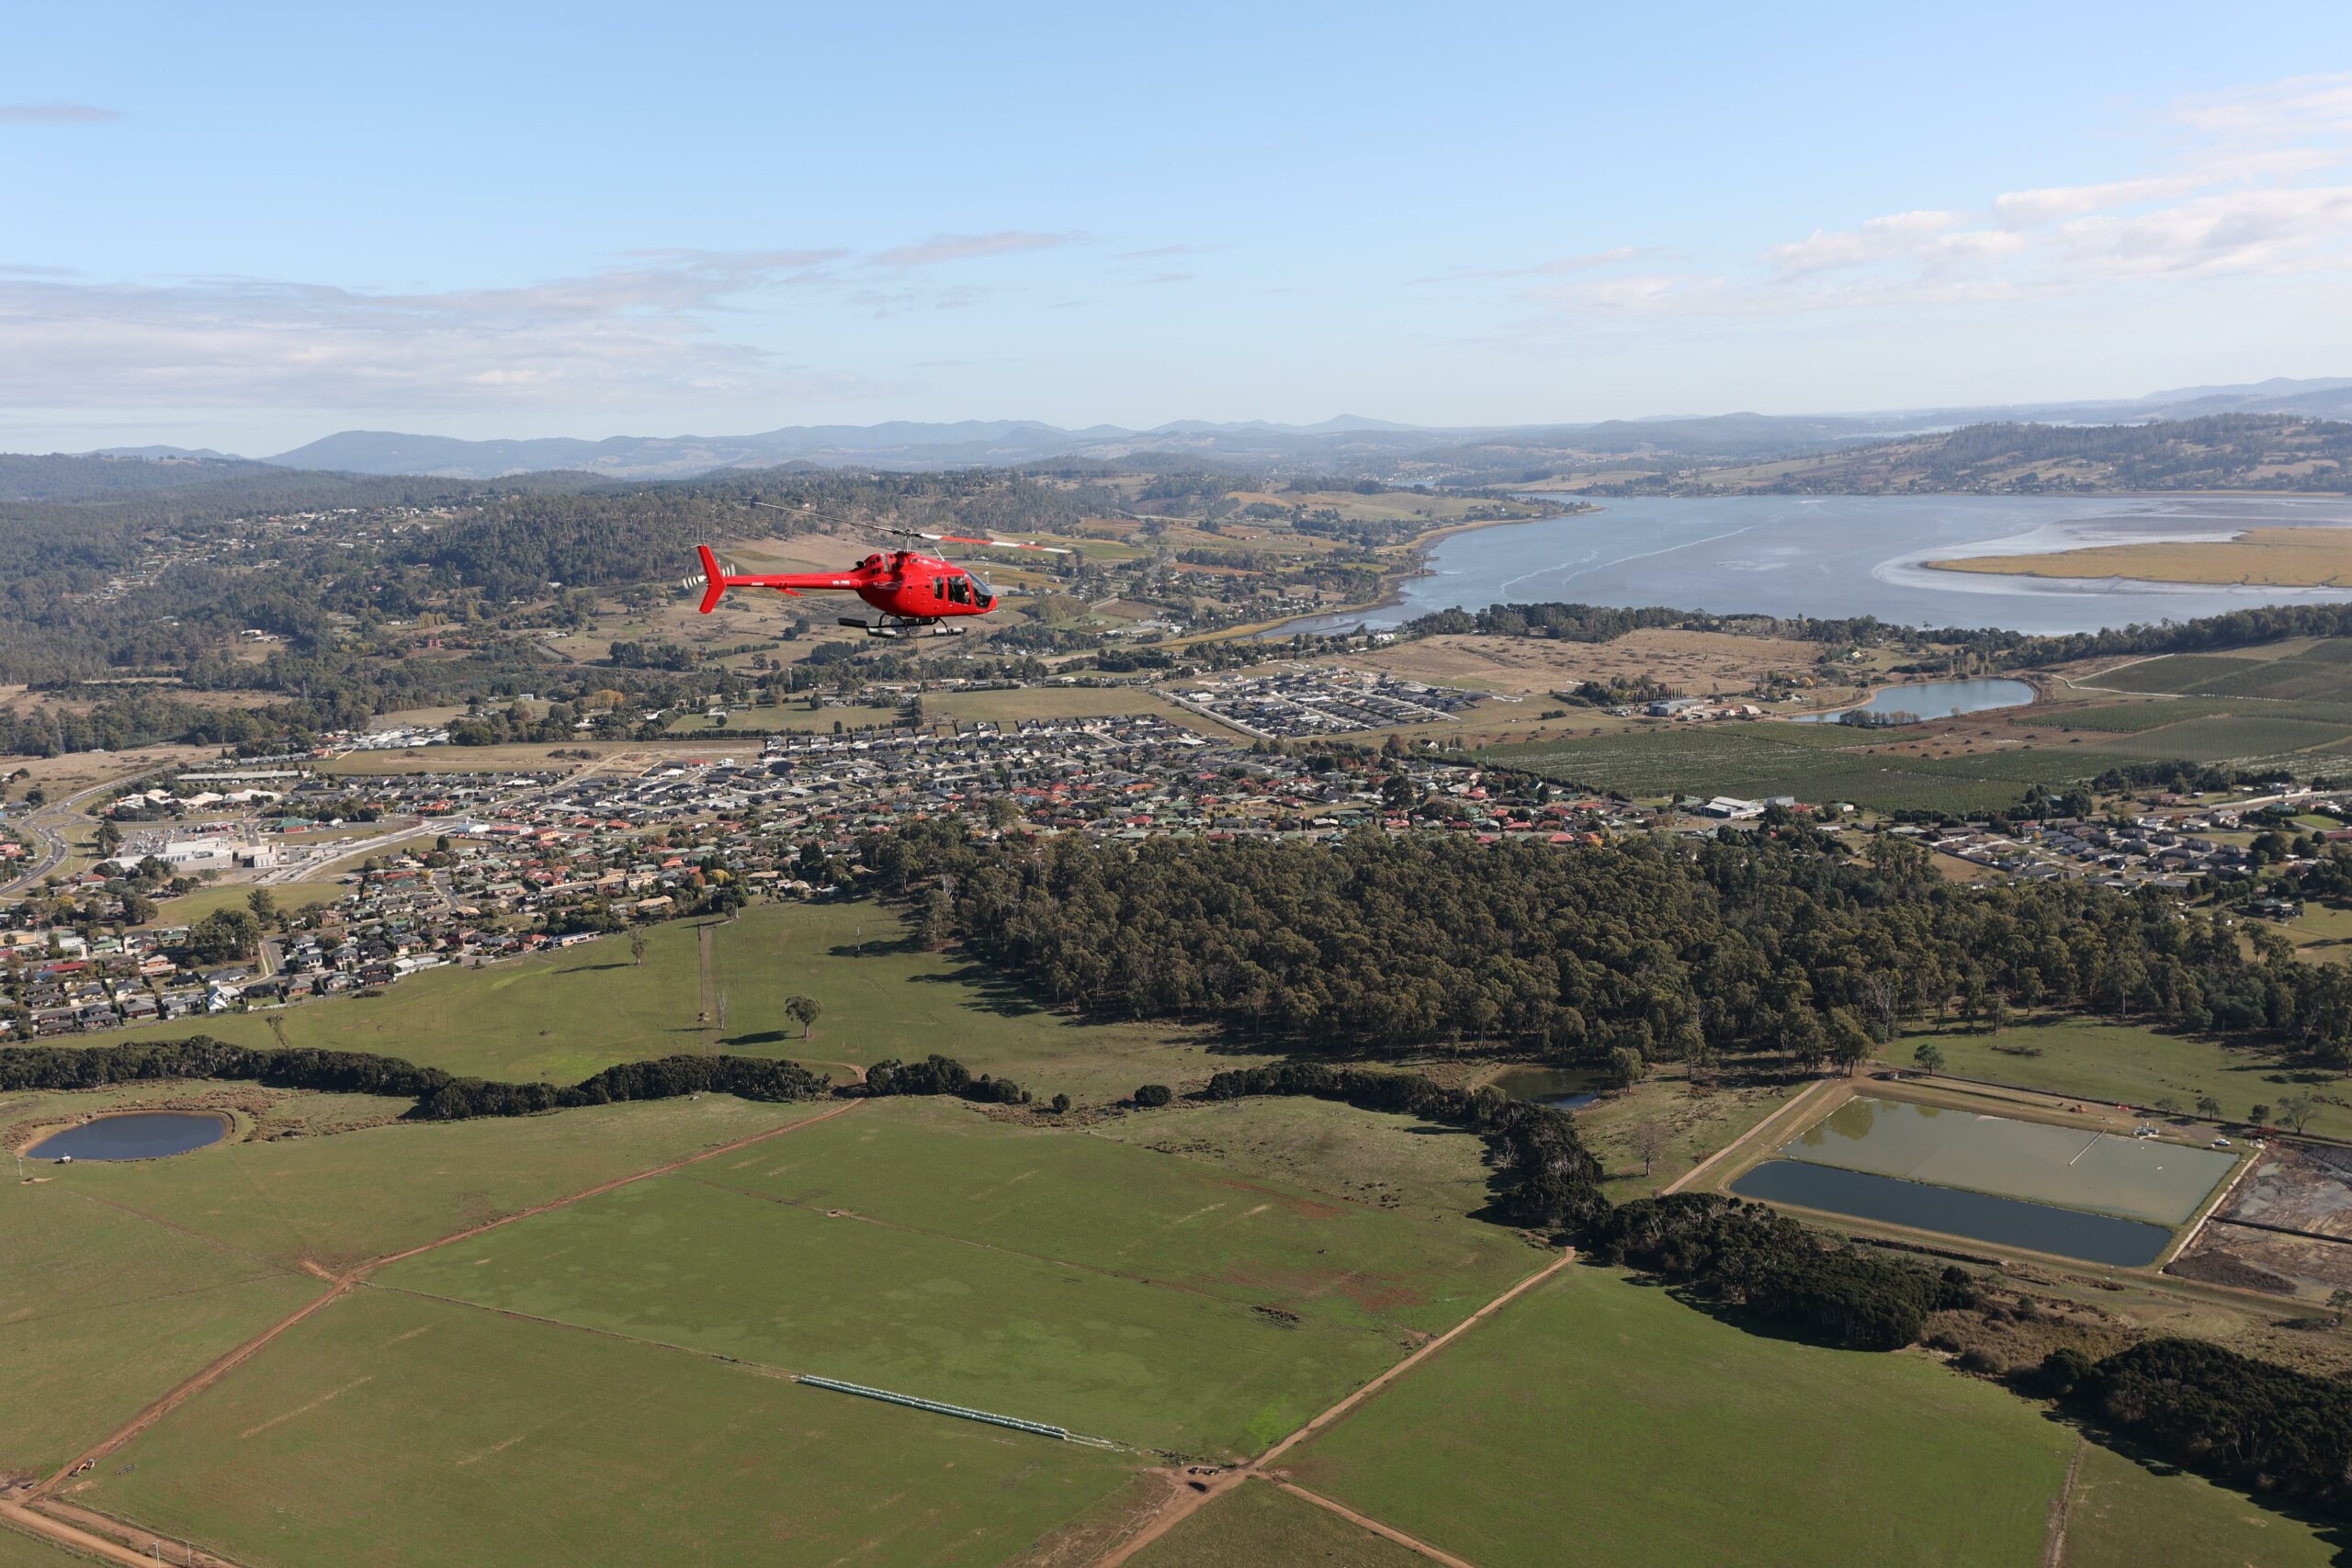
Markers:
(893, 626)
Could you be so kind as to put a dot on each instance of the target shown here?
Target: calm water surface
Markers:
(1555, 1086)
(1980, 1216)
(1840, 556)
(141, 1134)
(1935, 699)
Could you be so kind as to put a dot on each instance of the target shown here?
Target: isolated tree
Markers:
(2298, 1108)
(2209, 1108)
(2170, 1105)
(1153, 1095)
(1930, 1057)
(1061, 1104)
(804, 1011)
(1651, 1141)
(263, 904)
(2259, 1114)
(638, 943)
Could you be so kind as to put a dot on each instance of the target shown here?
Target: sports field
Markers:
(389, 1429)
(561, 1016)
(1058, 1278)
(1600, 1420)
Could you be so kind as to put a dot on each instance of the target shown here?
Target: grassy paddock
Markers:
(389, 1429)
(101, 1310)
(1607, 1421)
(338, 1201)
(2123, 1515)
(561, 1016)
(1045, 1275)
(1259, 1524)
(2119, 1063)
(678, 1262)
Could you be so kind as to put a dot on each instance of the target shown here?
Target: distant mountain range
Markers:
(1348, 445)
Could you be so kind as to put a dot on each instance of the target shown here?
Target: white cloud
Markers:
(628, 333)
(2250, 183)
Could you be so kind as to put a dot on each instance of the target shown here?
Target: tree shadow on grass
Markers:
(881, 945)
(592, 968)
(993, 991)
(2336, 1533)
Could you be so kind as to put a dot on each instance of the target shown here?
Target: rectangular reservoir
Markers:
(2134, 1178)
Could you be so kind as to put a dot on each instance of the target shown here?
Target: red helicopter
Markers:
(915, 593)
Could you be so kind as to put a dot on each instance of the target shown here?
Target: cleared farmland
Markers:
(1243, 1310)
(1616, 1423)
(562, 1016)
(389, 1429)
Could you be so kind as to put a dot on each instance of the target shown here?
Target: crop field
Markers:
(389, 1429)
(2302, 671)
(1259, 1524)
(1616, 1423)
(2123, 718)
(561, 1016)
(2124, 1064)
(339, 1201)
(1117, 1311)
(2246, 738)
(101, 1310)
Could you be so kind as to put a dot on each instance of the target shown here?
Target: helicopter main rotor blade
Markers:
(994, 544)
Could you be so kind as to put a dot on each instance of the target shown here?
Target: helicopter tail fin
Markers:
(713, 581)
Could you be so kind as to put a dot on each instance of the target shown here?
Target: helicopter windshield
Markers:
(982, 595)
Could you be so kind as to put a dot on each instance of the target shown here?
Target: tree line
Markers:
(439, 1096)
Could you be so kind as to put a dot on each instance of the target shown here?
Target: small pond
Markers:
(1933, 699)
(139, 1134)
(2003, 1222)
(1559, 1087)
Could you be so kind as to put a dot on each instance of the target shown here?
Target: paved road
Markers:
(51, 827)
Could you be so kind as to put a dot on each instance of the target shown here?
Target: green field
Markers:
(561, 1016)
(1121, 1210)
(1600, 1420)
(1393, 1162)
(101, 1310)
(2125, 1064)
(389, 1429)
(20, 1550)
(334, 1202)
(1259, 1524)
(2289, 673)
(2125, 1515)
(1128, 1298)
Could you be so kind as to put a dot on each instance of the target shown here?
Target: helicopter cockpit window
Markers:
(959, 592)
(982, 593)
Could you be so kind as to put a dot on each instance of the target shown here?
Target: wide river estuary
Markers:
(1838, 556)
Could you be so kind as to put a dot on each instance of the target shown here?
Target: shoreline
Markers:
(1423, 546)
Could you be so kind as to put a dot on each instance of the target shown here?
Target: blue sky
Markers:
(249, 226)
